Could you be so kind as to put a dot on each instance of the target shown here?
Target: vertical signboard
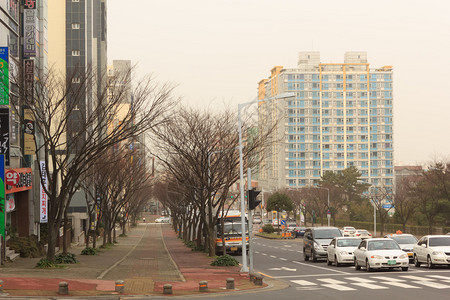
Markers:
(4, 76)
(28, 66)
(4, 133)
(43, 209)
(29, 146)
(29, 28)
(2, 197)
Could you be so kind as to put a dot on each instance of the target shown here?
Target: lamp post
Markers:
(241, 174)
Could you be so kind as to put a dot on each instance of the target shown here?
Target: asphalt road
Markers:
(282, 262)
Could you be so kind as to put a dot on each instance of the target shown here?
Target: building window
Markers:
(75, 25)
(76, 80)
(75, 0)
(75, 52)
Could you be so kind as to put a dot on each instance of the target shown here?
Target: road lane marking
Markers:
(273, 256)
(443, 278)
(400, 284)
(416, 278)
(323, 268)
(338, 287)
(331, 281)
(303, 282)
(263, 254)
(359, 279)
(370, 286)
(283, 258)
(434, 285)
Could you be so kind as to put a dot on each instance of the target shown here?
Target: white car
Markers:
(363, 234)
(340, 251)
(348, 231)
(380, 253)
(163, 220)
(406, 242)
(432, 250)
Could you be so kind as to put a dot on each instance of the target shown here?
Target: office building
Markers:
(339, 115)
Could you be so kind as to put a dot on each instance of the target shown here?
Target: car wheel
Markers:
(368, 268)
(416, 261)
(314, 257)
(336, 262)
(430, 264)
(305, 257)
(357, 267)
(404, 269)
(328, 261)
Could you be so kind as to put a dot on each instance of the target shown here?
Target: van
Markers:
(316, 241)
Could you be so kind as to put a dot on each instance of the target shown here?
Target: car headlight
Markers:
(343, 253)
(317, 247)
(437, 253)
(376, 257)
(403, 256)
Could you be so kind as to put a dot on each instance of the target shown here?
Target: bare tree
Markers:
(71, 133)
(198, 149)
(404, 200)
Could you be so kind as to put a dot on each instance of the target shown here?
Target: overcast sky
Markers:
(216, 51)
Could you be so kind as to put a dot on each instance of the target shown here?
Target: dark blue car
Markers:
(299, 231)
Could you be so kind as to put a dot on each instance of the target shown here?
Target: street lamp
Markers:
(241, 173)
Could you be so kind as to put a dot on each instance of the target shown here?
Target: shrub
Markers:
(68, 258)
(27, 246)
(225, 260)
(44, 263)
(89, 251)
(268, 228)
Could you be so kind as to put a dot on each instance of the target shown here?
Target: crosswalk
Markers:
(374, 283)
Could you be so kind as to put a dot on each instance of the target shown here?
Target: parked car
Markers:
(348, 231)
(257, 220)
(163, 220)
(316, 241)
(406, 242)
(299, 231)
(380, 253)
(291, 223)
(432, 250)
(363, 234)
(340, 251)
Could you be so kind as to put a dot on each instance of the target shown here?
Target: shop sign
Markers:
(43, 210)
(18, 180)
(10, 203)
(4, 76)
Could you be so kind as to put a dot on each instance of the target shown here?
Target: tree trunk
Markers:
(65, 228)
(52, 235)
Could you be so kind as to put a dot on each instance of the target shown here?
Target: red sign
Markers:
(12, 177)
(24, 180)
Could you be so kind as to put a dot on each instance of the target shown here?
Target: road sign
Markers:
(283, 222)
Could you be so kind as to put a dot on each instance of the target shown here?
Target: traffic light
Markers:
(252, 202)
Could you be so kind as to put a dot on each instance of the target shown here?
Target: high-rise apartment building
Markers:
(339, 115)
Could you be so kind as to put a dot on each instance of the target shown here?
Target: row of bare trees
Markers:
(199, 154)
(76, 131)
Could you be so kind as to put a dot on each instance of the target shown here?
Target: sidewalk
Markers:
(141, 260)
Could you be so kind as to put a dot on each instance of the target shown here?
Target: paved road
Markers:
(283, 260)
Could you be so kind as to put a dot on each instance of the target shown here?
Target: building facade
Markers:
(340, 115)
(78, 45)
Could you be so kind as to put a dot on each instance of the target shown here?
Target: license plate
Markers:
(410, 254)
(233, 249)
(392, 262)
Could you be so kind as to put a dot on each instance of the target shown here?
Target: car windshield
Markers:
(383, 245)
(327, 233)
(348, 242)
(439, 242)
(362, 231)
(405, 239)
(349, 228)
